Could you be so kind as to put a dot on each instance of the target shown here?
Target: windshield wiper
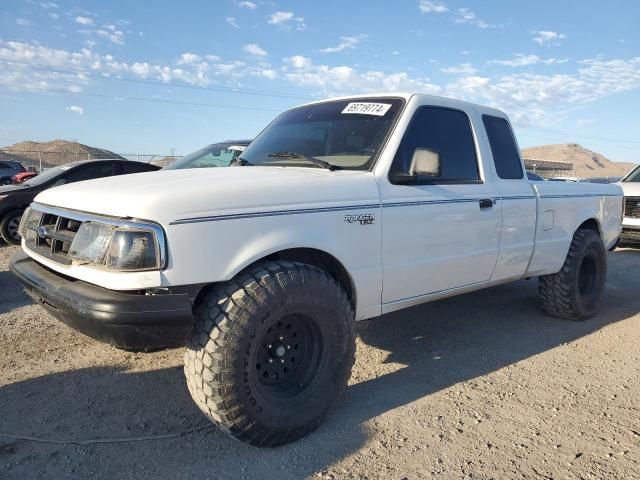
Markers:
(240, 162)
(316, 161)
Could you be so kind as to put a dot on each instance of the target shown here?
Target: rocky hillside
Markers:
(55, 152)
(586, 163)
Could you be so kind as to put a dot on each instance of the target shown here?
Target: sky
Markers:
(168, 77)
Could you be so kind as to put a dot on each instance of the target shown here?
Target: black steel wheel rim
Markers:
(288, 356)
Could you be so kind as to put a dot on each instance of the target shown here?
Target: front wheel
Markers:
(575, 291)
(9, 227)
(271, 352)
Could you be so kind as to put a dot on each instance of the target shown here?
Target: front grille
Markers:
(50, 235)
(632, 207)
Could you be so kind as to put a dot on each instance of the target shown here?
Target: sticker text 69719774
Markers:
(367, 108)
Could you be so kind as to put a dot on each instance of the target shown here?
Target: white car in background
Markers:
(630, 184)
(564, 179)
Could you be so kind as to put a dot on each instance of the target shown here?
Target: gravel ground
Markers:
(479, 386)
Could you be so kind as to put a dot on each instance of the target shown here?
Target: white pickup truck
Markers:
(340, 210)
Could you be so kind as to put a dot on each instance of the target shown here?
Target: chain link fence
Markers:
(38, 160)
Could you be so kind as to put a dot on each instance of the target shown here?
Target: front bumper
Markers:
(125, 320)
(630, 230)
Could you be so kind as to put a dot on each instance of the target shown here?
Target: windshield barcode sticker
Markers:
(366, 108)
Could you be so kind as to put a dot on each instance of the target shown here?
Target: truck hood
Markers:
(169, 195)
(630, 189)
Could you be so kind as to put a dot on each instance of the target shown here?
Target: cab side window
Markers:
(447, 132)
(503, 147)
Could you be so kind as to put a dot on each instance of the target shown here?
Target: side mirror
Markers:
(425, 162)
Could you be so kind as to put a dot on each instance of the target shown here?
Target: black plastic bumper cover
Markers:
(124, 320)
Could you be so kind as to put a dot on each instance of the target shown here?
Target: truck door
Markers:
(517, 201)
(440, 232)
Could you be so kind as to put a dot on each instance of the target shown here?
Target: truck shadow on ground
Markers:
(11, 294)
(438, 345)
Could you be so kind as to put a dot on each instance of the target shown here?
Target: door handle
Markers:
(486, 203)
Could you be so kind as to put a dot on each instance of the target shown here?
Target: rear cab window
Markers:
(504, 150)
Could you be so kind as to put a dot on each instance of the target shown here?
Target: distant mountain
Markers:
(586, 163)
(55, 152)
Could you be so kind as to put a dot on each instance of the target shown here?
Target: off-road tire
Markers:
(9, 225)
(227, 366)
(574, 293)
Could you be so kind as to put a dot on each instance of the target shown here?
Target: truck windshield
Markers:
(346, 134)
(216, 155)
(633, 175)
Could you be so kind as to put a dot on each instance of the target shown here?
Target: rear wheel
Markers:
(575, 291)
(271, 352)
(9, 227)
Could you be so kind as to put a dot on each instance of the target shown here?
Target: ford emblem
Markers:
(42, 232)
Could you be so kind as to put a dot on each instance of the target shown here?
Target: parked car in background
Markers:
(630, 184)
(22, 177)
(215, 155)
(601, 179)
(8, 168)
(564, 179)
(14, 199)
(534, 177)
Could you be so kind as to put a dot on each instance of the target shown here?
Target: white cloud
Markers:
(347, 43)
(529, 98)
(255, 49)
(75, 109)
(465, 15)
(522, 60)
(249, 5)
(54, 16)
(298, 61)
(23, 22)
(188, 58)
(300, 25)
(27, 73)
(109, 32)
(426, 6)
(338, 80)
(279, 18)
(462, 69)
(84, 20)
(49, 5)
(546, 37)
(232, 21)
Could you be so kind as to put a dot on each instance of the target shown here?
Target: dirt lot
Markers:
(480, 386)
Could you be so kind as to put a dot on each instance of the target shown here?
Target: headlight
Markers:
(91, 242)
(132, 250)
(120, 248)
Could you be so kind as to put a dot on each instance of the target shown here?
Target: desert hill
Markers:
(586, 162)
(55, 152)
